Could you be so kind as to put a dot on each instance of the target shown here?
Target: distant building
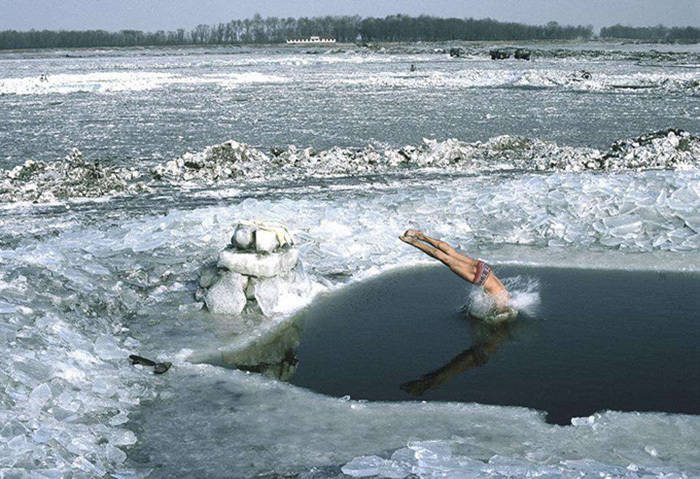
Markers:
(312, 39)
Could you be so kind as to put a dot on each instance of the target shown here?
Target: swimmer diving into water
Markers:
(472, 270)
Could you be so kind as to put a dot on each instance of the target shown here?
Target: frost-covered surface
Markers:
(126, 106)
(73, 177)
(119, 82)
(670, 149)
(71, 287)
(66, 394)
(258, 271)
(428, 459)
(283, 429)
(578, 80)
(575, 80)
(586, 50)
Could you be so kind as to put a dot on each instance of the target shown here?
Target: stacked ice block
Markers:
(258, 268)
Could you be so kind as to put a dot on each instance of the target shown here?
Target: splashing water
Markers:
(524, 297)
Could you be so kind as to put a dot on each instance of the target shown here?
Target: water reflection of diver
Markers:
(487, 338)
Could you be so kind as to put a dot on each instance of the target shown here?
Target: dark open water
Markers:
(599, 340)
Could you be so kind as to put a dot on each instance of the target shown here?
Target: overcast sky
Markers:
(171, 14)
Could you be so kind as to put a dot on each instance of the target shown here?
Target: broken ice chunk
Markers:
(265, 241)
(279, 293)
(39, 396)
(363, 466)
(684, 199)
(122, 437)
(114, 454)
(244, 236)
(208, 276)
(262, 266)
(19, 444)
(692, 221)
(106, 347)
(583, 421)
(623, 226)
(227, 295)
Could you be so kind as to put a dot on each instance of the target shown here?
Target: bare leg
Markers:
(465, 270)
(462, 265)
(445, 247)
(414, 241)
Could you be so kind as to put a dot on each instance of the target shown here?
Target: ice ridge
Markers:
(74, 177)
(668, 149)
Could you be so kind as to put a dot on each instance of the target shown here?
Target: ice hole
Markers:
(599, 340)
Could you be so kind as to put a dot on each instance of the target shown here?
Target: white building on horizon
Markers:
(311, 39)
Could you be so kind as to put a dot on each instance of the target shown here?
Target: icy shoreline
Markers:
(398, 439)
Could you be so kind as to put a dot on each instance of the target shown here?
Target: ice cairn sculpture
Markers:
(259, 271)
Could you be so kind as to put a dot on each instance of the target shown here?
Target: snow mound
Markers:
(74, 177)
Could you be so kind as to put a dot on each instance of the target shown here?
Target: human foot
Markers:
(413, 233)
(408, 239)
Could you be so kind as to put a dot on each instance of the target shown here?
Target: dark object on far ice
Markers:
(456, 52)
(158, 368)
(499, 54)
(413, 67)
(522, 54)
(580, 75)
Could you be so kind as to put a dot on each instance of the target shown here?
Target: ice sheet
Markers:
(77, 295)
(125, 81)
(302, 430)
(577, 80)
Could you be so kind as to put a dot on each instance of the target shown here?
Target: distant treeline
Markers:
(278, 30)
(657, 33)
(342, 28)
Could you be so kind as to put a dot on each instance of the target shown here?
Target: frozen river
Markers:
(586, 158)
